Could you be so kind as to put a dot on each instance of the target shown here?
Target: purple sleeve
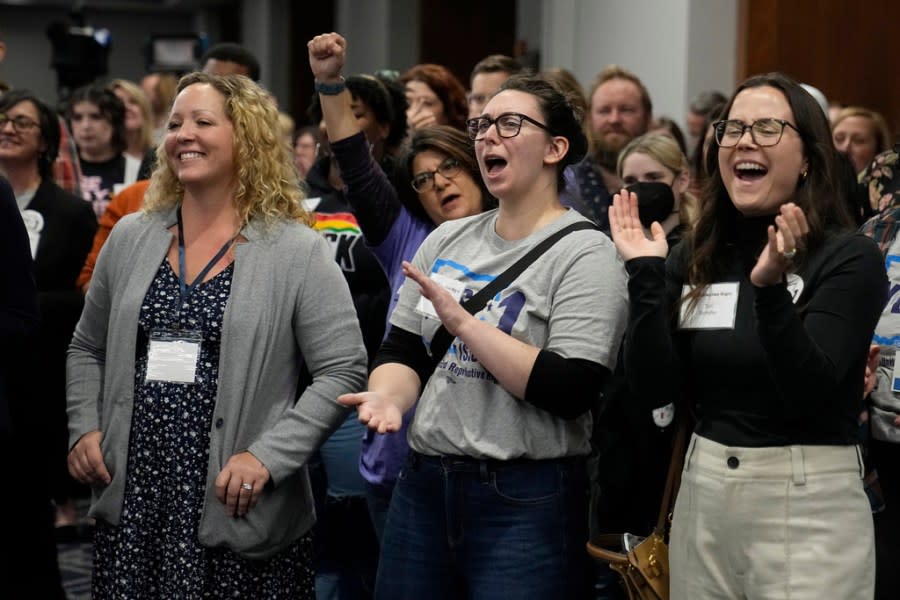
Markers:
(405, 236)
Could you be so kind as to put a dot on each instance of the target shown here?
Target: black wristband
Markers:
(330, 89)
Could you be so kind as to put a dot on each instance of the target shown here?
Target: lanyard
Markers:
(186, 290)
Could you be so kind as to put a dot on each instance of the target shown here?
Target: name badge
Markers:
(794, 286)
(664, 416)
(172, 356)
(715, 309)
(895, 377)
(455, 287)
(34, 223)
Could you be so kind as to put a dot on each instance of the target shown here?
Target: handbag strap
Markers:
(442, 339)
(673, 478)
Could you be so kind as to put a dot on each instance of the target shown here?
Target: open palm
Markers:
(627, 232)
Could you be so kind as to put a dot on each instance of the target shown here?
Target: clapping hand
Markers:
(786, 236)
(627, 232)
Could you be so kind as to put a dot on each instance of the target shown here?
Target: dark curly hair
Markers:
(376, 96)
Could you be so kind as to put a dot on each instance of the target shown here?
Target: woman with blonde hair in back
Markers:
(138, 118)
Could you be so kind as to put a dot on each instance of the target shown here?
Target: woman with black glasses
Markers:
(492, 503)
(760, 322)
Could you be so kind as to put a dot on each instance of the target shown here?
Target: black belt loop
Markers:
(483, 471)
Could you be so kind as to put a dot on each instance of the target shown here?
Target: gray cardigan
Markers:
(289, 305)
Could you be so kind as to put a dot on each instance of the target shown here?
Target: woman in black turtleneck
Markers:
(760, 323)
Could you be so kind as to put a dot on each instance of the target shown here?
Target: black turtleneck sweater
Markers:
(788, 372)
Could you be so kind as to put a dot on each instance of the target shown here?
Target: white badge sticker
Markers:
(455, 287)
(794, 286)
(173, 357)
(34, 223)
(310, 204)
(663, 416)
(715, 309)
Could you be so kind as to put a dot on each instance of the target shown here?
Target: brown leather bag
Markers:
(644, 569)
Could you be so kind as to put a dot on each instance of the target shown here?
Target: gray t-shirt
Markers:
(571, 300)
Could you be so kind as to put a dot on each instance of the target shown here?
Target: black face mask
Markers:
(655, 201)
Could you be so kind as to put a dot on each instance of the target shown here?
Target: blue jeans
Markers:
(378, 499)
(459, 527)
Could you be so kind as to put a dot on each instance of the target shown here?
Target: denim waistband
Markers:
(468, 463)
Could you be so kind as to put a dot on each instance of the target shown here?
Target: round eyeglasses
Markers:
(20, 123)
(508, 125)
(424, 181)
(764, 132)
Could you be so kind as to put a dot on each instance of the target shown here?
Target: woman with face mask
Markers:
(759, 322)
(653, 167)
(629, 437)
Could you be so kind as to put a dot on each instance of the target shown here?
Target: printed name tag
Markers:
(455, 287)
(715, 309)
(895, 378)
(172, 356)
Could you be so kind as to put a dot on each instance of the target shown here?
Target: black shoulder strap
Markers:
(442, 340)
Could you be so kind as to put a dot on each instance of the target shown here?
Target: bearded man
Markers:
(620, 110)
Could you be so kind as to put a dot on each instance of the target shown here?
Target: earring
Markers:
(804, 175)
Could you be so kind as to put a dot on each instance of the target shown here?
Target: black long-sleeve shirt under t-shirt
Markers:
(788, 372)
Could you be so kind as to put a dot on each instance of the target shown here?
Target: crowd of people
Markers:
(431, 344)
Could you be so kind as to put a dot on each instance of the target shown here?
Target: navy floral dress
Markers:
(154, 551)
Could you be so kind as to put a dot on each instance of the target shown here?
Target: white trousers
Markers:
(776, 523)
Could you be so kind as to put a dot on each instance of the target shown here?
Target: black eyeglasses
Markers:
(764, 132)
(424, 181)
(20, 123)
(508, 125)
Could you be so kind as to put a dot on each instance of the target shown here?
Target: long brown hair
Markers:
(817, 193)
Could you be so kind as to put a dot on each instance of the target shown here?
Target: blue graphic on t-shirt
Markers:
(460, 360)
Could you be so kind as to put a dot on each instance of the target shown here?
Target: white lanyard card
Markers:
(172, 355)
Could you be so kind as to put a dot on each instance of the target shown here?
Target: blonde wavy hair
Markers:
(267, 184)
(664, 150)
(138, 95)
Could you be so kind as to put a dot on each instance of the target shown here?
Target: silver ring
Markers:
(789, 254)
(247, 486)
